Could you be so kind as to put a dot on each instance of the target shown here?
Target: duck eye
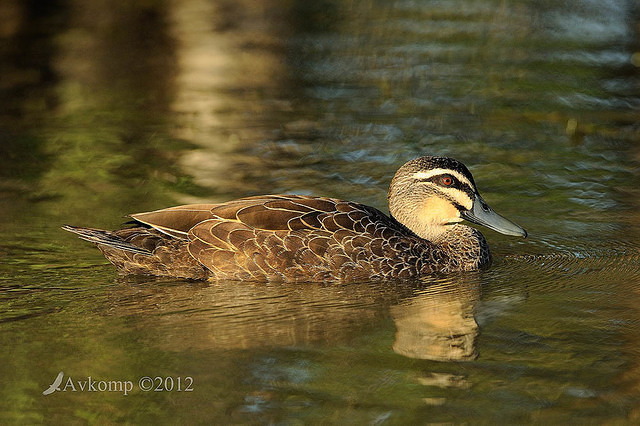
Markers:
(446, 180)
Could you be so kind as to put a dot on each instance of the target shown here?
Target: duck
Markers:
(309, 238)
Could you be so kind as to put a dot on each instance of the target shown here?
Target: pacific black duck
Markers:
(302, 238)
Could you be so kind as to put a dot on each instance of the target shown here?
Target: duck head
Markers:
(430, 194)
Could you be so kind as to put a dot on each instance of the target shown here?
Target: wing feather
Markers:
(175, 221)
(262, 217)
(291, 237)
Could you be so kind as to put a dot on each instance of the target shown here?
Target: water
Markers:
(110, 108)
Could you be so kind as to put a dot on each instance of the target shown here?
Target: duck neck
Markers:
(466, 247)
(425, 229)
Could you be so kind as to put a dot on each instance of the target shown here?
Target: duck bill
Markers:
(484, 215)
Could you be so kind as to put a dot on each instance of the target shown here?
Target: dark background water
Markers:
(114, 107)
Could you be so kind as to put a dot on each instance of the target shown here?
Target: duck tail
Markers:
(101, 237)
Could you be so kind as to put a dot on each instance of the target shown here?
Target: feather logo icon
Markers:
(55, 386)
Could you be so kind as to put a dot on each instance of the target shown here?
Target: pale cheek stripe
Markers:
(458, 196)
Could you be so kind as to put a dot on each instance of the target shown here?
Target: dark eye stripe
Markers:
(455, 203)
(462, 186)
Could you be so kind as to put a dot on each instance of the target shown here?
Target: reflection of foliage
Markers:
(106, 162)
(314, 16)
(91, 133)
(22, 157)
(96, 166)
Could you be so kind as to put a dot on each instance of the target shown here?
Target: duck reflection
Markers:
(433, 320)
(438, 323)
(231, 315)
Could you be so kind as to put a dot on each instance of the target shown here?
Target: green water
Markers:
(109, 108)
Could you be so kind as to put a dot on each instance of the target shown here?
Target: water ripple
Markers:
(580, 266)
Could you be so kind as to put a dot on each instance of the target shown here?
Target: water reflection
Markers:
(434, 319)
(231, 82)
(439, 322)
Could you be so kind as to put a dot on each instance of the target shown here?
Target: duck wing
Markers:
(176, 221)
(291, 237)
(285, 237)
(270, 212)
